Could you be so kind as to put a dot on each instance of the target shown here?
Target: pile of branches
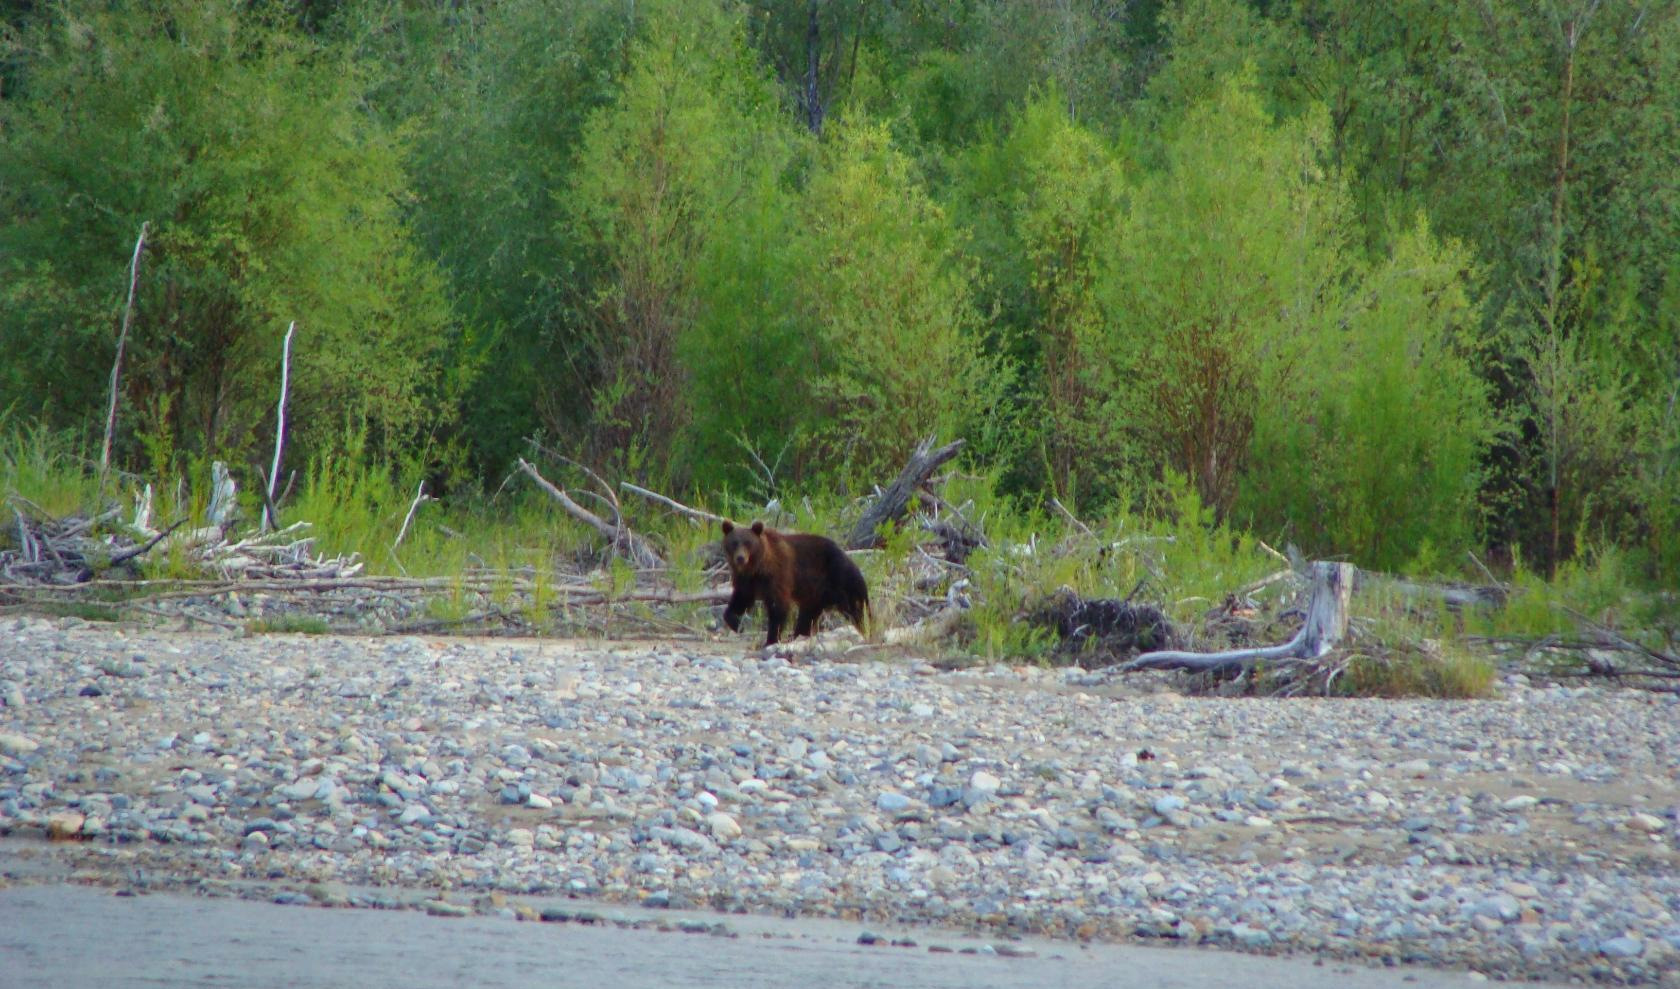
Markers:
(54, 552)
(1103, 628)
(58, 551)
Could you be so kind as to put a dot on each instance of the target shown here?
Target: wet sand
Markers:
(72, 937)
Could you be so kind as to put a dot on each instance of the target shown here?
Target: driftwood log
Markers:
(116, 365)
(618, 535)
(698, 515)
(271, 515)
(891, 503)
(1326, 624)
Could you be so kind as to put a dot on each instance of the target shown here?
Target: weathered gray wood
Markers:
(116, 365)
(699, 515)
(1326, 625)
(223, 504)
(623, 542)
(1454, 596)
(892, 502)
(271, 516)
(419, 496)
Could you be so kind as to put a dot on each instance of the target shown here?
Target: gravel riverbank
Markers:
(1530, 836)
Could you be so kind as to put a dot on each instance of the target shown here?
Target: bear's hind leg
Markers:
(775, 616)
(807, 623)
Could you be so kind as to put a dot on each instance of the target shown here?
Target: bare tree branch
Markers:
(116, 365)
(693, 513)
(623, 542)
(1326, 624)
(892, 502)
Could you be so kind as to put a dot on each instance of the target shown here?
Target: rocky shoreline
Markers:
(1532, 836)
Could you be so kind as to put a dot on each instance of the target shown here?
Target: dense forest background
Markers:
(1386, 280)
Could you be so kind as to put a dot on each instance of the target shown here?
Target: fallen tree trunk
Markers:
(892, 502)
(1454, 596)
(1326, 624)
(676, 506)
(623, 542)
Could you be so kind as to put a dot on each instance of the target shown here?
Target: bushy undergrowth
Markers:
(45, 467)
(1413, 672)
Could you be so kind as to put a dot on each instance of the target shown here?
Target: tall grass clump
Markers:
(46, 468)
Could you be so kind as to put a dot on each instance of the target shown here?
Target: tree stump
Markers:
(1326, 625)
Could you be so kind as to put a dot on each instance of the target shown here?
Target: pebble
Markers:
(1648, 823)
(892, 803)
(65, 826)
(12, 744)
(723, 826)
(1621, 947)
(999, 798)
(443, 908)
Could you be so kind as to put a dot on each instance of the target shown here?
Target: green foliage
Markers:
(1370, 478)
(1597, 585)
(46, 468)
(498, 102)
(887, 301)
(271, 197)
(1387, 281)
(289, 624)
(657, 173)
(1531, 135)
(1067, 195)
(1209, 41)
(1412, 672)
(1230, 267)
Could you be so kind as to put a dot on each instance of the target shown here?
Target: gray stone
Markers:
(1250, 937)
(443, 908)
(15, 745)
(891, 802)
(1502, 906)
(1621, 947)
(1168, 804)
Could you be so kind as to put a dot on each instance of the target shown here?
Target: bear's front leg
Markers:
(739, 604)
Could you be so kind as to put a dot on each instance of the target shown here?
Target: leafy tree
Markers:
(1383, 455)
(658, 172)
(889, 306)
(497, 103)
(1068, 193)
(1255, 351)
(271, 197)
(1230, 262)
(1543, 136)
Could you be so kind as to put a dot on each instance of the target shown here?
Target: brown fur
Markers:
(786, 569)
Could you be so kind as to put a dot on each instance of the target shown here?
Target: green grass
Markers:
(47, 469)
(1602, 585)
(289, 624)
(1449, 673)
(1174, 555)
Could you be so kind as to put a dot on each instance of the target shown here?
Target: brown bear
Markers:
(792, 568)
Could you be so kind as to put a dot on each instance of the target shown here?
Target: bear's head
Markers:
(743, 548)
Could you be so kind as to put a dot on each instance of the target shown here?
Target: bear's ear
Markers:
(728, 527)
(758, 527)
